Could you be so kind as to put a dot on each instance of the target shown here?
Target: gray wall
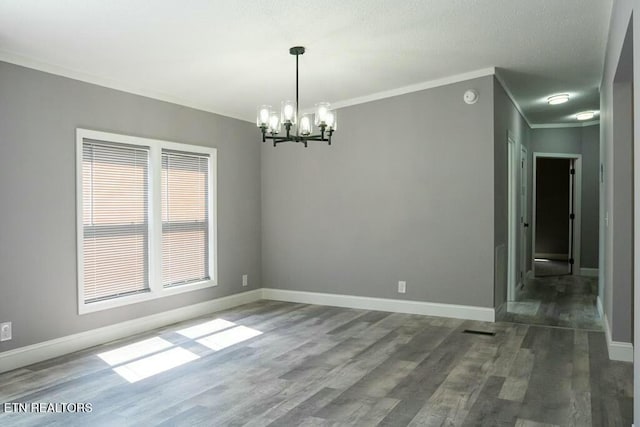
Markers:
(404, 193)
(552, 206)
(39, 113)
(620, 213)
(507, 120)
(621, 19)
(584, 141)
(617, 134)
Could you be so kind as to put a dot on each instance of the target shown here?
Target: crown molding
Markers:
(31, 63)
(24, 61)
(512, 98)
(430, 84)
(565, 125)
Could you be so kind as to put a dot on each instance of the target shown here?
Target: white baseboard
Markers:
(383, 304)
(621, 351)
(589, 272)
(558, 257)
(35, 353)
(599, 306)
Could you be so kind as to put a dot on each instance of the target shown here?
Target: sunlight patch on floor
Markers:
(152, 365)
(228, 337)
(149, 357)
(206, 328)
(134, 351)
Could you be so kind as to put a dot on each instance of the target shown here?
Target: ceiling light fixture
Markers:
(560, 98)
(269, 122)
(585, 115)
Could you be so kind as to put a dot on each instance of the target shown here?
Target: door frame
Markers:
(513, 163)
(524, 211)
(577, 204)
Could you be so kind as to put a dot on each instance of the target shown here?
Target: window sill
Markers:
(138, 298)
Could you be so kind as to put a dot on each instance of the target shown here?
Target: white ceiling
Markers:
(228, 56)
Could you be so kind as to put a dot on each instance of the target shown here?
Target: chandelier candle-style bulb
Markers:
(274, 123)
(331, 119)
(264, 111)
(288, 112)
(322, 108)
(306, 127)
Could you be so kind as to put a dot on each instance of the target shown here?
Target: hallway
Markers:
(563, 301)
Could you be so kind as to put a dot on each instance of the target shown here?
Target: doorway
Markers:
(556, 214)
(555, 294)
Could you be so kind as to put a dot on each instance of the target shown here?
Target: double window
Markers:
(146, 219)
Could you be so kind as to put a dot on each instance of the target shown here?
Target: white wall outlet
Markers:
(402, 287)
(245, 280)
(5, 331)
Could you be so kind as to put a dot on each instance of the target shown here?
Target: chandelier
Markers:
(297, 129)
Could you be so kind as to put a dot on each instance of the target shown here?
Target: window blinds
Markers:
(115, 211)
(185, 218)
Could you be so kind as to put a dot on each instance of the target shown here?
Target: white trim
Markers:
(510, 95)
(599, 307)
(457, 78)
(523, 205)
(484, 314)
(125, 87)
(57, 70)
(513, 161)
(577, 226)
(156, 290)
(565, 125)
(39, 352)
(558, 257)
(589, 272)
(34, 64)
(621, 351)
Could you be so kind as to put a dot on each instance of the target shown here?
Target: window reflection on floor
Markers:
(149, 357)
(229, 337)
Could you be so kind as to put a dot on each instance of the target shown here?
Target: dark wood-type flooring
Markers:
(285, 364)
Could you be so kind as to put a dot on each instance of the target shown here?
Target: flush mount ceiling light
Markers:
(560, 98)
(269, 122)
(585, 115)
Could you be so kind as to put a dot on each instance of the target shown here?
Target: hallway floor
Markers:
(549, 267)
(564, 301)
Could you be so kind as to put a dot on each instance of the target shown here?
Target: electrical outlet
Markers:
(402, 287)
(5, 331)
(245, 280)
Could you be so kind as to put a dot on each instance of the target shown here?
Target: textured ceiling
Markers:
(228, 56)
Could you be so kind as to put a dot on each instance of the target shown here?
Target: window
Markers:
(185, 191)
(146, 219)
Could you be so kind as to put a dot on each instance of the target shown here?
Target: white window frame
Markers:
(156, 289)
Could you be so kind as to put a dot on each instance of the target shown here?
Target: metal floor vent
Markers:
(471, 331)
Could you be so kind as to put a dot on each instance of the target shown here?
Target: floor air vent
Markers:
(471, 331)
